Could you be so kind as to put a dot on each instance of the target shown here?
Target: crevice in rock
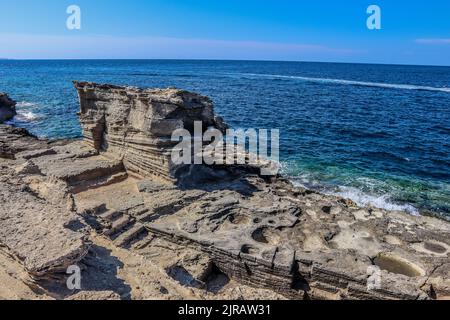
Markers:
(299, 283)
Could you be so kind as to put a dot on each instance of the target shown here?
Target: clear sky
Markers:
(413, 32)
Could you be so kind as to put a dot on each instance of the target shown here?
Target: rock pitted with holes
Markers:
(111, 204)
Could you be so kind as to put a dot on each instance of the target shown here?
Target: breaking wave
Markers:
(25, 112)
(353, 83)
(365, 200)
(365, 195)
(24, 104)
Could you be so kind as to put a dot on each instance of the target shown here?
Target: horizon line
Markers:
(231, 60)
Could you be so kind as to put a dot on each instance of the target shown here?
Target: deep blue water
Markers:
(378, 134)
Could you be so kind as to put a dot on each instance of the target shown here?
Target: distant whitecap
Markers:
(351, 82)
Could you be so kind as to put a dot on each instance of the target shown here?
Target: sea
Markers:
(376, 134)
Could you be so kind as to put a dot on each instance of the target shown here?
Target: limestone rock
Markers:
(100, 296)
(136, 125)
(14, 140)
(215, 228)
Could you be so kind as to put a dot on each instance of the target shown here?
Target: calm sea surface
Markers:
(377, 134)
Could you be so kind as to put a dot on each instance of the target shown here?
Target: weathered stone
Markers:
(136, 125)
(226, 222)
(14, 140)
(101, 296)
(34, 231)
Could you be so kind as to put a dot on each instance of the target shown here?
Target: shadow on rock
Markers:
(98, 274)
(202, 177)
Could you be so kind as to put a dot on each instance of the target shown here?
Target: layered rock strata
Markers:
(215, 232)
(35, 214)
(136, 125)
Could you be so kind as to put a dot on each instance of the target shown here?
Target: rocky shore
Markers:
(140, 227)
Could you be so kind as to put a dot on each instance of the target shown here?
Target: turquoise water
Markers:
(377, 134)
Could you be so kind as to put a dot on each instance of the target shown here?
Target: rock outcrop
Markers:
(35, 231)
(217, 232)
(7, 108)
(136, 125)
(35, 223)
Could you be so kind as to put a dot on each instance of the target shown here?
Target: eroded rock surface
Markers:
(136, 125)
(112, 205)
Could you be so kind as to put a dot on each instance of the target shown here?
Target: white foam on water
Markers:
(25, 112)
(25, 104)
(27, 116)
(359, 197)
(382, 202)
(354, 83)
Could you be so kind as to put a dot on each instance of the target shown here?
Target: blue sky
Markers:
(413, 32)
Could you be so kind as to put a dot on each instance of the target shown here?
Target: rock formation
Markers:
(136, 125)
(111, 204)
(7, 108)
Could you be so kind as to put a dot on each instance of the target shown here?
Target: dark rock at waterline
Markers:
(7, 107)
